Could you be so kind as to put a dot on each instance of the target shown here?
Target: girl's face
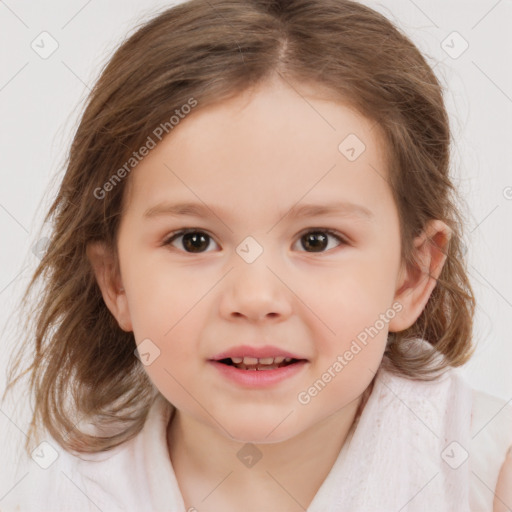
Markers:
(293, 248)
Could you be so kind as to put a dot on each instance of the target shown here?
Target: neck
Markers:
(288, 474)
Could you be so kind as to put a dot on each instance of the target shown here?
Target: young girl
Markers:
(254, 293)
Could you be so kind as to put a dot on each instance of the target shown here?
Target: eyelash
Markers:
(176, 234)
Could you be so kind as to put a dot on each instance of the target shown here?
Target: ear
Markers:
(415, 285)
(106, 270)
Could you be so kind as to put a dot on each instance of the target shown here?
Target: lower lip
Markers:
(259, 378)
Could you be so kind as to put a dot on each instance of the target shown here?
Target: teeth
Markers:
(263, 361)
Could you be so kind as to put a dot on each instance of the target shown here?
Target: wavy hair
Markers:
(82, 364)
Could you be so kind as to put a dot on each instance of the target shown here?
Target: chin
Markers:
(262, 430)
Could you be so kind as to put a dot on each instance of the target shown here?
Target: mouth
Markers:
(260, 364)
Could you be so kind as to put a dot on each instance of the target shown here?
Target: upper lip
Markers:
(258, 352)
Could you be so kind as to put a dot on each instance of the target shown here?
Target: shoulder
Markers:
(491, 434)
(503, 494)
(47, 480)
(491, 421)
(114, 480)
(57, 480)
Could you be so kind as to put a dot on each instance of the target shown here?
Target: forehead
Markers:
(271, 146)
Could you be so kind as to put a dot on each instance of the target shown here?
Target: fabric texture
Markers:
(417, 446)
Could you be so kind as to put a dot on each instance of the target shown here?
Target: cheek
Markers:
(351, 297)
(161, 299)
(174, 381)
(352, 310)
(175, 332)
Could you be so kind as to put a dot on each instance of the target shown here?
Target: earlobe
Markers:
(415, 284)
(106, 271)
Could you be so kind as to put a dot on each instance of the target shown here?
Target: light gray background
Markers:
(40, 100)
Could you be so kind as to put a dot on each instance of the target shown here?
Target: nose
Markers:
(255, 292)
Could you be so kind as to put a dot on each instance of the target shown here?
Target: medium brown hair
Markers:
(210, 51)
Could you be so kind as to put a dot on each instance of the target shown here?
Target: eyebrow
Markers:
(344, 209)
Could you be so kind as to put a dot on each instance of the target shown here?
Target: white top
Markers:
(417, 446)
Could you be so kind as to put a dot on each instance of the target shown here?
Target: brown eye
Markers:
(318, 240)
(192, 241)
(197, 242)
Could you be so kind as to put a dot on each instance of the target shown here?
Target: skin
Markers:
(503, 494)
(250, 159)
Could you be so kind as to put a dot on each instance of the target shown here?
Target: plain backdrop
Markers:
(469, 43)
